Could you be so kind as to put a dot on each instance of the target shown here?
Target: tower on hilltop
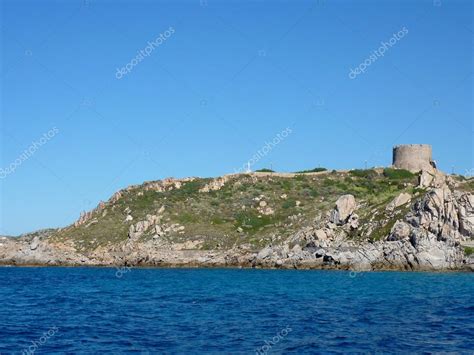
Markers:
(413, 157)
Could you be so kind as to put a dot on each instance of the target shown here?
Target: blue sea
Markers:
(231, 311)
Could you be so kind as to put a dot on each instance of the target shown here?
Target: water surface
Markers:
(148, 311)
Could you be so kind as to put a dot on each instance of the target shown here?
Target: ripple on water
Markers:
(235, 311)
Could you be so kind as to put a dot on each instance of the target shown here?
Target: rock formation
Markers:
(269, 220)
(345, 206)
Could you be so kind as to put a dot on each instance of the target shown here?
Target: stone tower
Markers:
(413, 157)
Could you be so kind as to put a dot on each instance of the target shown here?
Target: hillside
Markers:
(236, 217)
(240, 209)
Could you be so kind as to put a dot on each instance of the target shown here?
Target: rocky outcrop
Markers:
(421, 250)
(345, 206)
(427, 237)
(39, 251)
(216, 184)
(153, 224)
(400, 230)
(263, 208)
(168, 184)
(466, 214)
(434, 178)
(86, 217)
(398, 201)
(443, 213)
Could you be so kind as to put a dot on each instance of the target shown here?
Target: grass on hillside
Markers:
(231, 215)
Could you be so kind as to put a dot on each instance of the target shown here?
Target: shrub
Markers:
(289, 203)
(286, 185)
(397, 174)
(249, 220)
(363, 173)
(468, 251)
(417, 190)
(264, 170)
(301, 177)
(191, 187)
(315, 170)
(329, 182)
(467, 186)
(186, 218)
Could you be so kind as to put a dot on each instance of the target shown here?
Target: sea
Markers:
(233, 311)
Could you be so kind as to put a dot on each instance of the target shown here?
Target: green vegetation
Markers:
(248, 209)
(398, 174)
(187, 218)
(289, 204)
(264, 170)
(467, 185)
(418, 190)
(315, 170)
(468, 251)
(251, 221)
(364, 173)
(192, 187)
(383, 231)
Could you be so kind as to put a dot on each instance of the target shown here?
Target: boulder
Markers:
(432, 179)
(425, 179)
(345, 206)
(296, 249)
(265, 253)
(398, 201)
(321, 234)
(35, 243)
(142, 226)
(400, 230)
(135, 231)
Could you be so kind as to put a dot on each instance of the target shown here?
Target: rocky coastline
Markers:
(428, 231)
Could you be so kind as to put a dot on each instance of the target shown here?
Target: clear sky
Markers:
(224, 78)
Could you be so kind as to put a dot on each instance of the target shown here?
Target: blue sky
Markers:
(232, 76)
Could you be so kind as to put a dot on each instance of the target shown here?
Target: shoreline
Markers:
(239, 267)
